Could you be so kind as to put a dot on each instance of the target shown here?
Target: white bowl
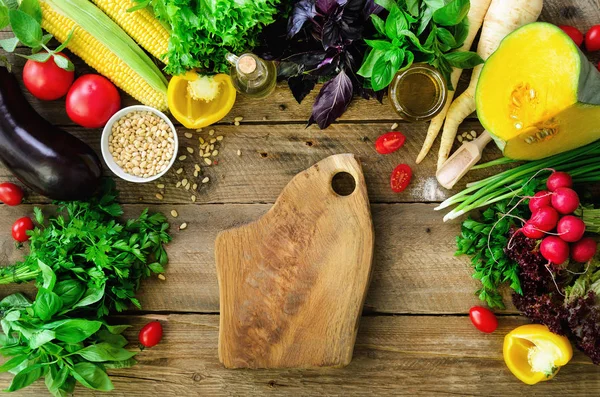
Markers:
(108, 157)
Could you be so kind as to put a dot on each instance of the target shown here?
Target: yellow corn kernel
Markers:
(140, 25)
(100, 57)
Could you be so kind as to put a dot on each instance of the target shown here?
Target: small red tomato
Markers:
(47, 81)
(592, 38)
(574, 33)
(483, 319)
(401, 177)
(10, 194)
(151, 334)
(20, 228)
(92, 101)
(389, 142)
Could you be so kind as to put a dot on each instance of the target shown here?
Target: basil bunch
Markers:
(418, 31)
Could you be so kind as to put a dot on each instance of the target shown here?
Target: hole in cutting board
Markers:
(343, 184)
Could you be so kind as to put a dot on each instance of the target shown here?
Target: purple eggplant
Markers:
(44, 158)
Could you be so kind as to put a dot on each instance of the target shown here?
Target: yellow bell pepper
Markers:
(199, 113)
(534, 354)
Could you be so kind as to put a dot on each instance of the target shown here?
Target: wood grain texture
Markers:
(414, 267)
(409, 356)
(293, 283)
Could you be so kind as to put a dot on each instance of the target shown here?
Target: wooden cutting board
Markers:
(293, 283)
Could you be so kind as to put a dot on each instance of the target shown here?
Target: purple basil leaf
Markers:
(308, 60)
(332, 101)
(288, 69)
(371, 8)
(303, 11)
(301, 86)
(326, 7)
(331, 35)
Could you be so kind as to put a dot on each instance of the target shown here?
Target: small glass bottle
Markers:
(252, 76)
(418, 93)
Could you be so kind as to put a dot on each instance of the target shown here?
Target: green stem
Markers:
(494, 163)
(17, 274)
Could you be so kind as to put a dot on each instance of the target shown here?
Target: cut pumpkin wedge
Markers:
(538, 95)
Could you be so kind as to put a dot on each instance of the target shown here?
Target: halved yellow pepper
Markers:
(534, 354)
(193, 113)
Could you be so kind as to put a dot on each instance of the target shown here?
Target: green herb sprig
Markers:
(418, 31)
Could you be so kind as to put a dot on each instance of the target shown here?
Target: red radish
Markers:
(555, 249)
(531, 231)
(559, 179)
(539, 200)
(583, 250)
(570, 228)
(565, 200)
(544, 219)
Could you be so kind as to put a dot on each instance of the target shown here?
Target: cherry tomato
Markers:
(20, 228)
(389, 142)
(45, 80)
(401, 177)
(592, 38)
(10, 194)
(483, 319)
(92, 100)
(151, 334)
(574, 33)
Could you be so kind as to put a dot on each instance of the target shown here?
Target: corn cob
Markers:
(104, 46)
(140, 25)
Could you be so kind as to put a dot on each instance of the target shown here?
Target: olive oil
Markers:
(418, 93)
(252, 76)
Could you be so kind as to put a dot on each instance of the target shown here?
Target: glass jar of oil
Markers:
(418, 93)
(252, 76)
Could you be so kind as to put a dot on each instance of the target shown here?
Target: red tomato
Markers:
(483, 319)
(151, 334)
(20, 228)
(92, 100)
(592, 38)
(389, 142)
(45, 80)
(10, 194)
(401, 177)
(573, 33)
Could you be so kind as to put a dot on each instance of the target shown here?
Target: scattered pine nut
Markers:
(193, 199)
(238, 119)
(208, 161)
(187, 187)
(179, 171)
(162, 277)
(201, 140)
(473, 134)
(237, 123)
(211, 132)
(239, 152)
(178, 184)
(215, 153)
(160, 186)
(194, 186)
(183, 226)
(182, 158)
(188, 135)
(190, 150)
(205, 180)
(196, 173)
(199, 130)
(460, 139)
(184, 182)
(212, 141)
(394, 126)
(220, 138)
(174, 214)
(159, 196)
(197, 167)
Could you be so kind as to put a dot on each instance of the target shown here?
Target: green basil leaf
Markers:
(13, 363)
(15, 301)
(463, 59)
(461, 31)
(40, 338)
(387, 4)
(46, 304)
(32, 8)
(74, 347)
(395, 23)
(8, 351)
(415, 41)
(413, 7)
(378, 23)
(92, 295)
(12, 315)
(120, 364)
(382, 45)
(10, 44)
(66, 42)
(70, 291)
(26, 377)
(75, 331)
(366, 69)
(41, 57)
(452, 13)
(116, 329)
(383, 73)
(92, 376)
(25, 28)
(105, 352)
(4, 21)
(63, 63)
(48, 276)
(445, 37)
(115, 340)
(56, 378)
(53, 348)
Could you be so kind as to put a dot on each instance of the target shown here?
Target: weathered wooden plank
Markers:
(582, 14)
(414, 269)
(271, 155)
(393, 356)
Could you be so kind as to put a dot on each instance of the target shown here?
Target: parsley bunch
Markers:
(418, 31)
(94, 253)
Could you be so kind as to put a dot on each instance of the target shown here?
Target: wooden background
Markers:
(415, 337)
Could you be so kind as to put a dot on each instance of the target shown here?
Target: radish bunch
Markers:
(553, 221)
